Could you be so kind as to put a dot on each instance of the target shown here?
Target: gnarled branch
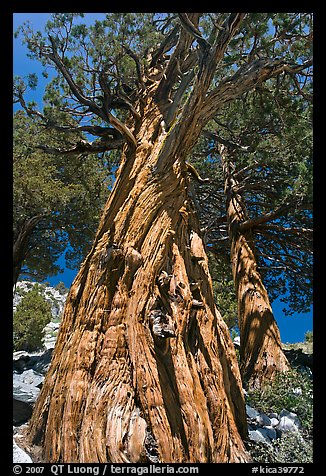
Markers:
(173, 67)
(254, 222)
(192, 30)
(84, 147)
(168, 43)
(101, 112)
(195, 174)
(246, 78)
(75, 89)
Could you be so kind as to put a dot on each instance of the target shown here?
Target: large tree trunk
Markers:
(144, 368)
(261, 354)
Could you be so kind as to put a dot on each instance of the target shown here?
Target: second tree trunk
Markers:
(261, 354)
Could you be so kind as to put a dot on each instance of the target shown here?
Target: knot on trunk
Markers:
(108, 253)
(164, 279)
(162, 325)
(197, 252)
(133, 259)
(196, 303)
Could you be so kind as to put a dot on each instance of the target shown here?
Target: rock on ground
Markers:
(289, 421)
(19, 455)
(28, 376)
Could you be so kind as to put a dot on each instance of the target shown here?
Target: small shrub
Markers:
(61, 288)
(290, 448)
(292, 390)
(293, 448)
(20, 291)
(308, 337)
(32, 314)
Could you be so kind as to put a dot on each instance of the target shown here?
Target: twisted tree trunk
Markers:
(261, 354)
(144, 368)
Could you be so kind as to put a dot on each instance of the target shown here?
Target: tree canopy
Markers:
(102, 65)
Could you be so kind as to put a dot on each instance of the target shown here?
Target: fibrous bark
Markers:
(261, 354)
(144, 368)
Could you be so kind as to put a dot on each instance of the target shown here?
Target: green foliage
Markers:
(32, 81)
(308, 337)
(103, 44)
(66, 193)
(290, 448)
(293, 391)
(223, 287)
(32, 314)
(61, 288)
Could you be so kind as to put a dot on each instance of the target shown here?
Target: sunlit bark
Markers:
(261, 354)
(144, 368)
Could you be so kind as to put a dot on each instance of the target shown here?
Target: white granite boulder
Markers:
(289, 421)
(19, 455)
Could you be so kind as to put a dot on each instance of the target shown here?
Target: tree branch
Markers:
(123, 129)
(306, 96)
(287, 230)
(139, 69)
(246, 78)
(187, 78)
(226, 32)
(254, 222)
(195, 174)
(192, 30)
(84, 147)
(29, 111)
(166, 45)
(227, 143)
(239, 174)
(101, 112)
(93, 130)
(73, 86)
(173, 67)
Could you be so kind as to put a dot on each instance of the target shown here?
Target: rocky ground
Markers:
(266, 430)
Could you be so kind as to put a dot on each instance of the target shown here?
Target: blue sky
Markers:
(292, 328)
